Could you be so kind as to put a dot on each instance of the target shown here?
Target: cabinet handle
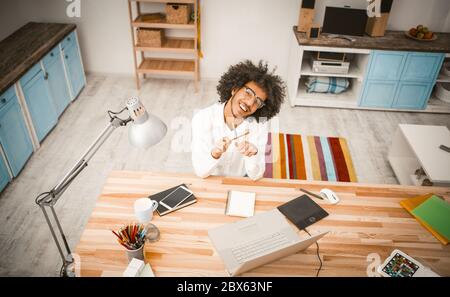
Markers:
(3, 100)
(67, 57)
(51, 55)
(46, 76)
(68, 39)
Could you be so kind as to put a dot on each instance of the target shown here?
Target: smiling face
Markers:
(247, 99)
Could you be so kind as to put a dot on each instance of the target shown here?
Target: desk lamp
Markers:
(145, 130)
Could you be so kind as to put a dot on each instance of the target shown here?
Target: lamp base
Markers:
(67, 270)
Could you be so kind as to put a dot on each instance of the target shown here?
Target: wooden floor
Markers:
(26, 246)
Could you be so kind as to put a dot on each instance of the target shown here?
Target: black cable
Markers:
(318, 255)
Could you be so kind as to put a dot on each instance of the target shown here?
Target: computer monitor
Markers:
(344, 21)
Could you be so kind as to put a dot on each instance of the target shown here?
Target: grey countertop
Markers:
(392, 40)
(26, 46)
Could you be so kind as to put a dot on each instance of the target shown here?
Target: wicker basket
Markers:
(178, 13)
(150, 37)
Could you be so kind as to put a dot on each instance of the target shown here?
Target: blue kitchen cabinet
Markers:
(69, 40)
(379, 94)
(386, 65)
(422, 67)
(412, 95)
(74, 66)
(4, 174)
(14, 137)
(56, 80)
(401, 80)
(39, 101)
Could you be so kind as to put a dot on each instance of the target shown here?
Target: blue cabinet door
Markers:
(69, 40)
(14, 136)
(378, 94)
(4, 174)
(40, 104)
(422, 67)
(386, 65)
(411, 95)
(57, 82)
(74, 68)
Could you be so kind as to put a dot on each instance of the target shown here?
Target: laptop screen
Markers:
(344, 21)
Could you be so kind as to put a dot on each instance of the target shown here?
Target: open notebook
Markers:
(240, 204)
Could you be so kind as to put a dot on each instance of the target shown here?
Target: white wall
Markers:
(103, 30)
(232, 30)
(432, 13)
(10, 18)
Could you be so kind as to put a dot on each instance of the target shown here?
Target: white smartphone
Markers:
(399, 264)
(174, 198)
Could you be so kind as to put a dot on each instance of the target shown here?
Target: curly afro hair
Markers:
(240, 74)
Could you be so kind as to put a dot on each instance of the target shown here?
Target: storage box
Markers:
(443, 91)
(150, 37)
(178, 13)
(376, 26)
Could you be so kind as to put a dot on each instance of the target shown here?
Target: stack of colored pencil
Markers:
(132, 237)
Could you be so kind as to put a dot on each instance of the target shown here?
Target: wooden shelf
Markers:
(165, 1)
(167, 66)
(177, 56)
(139, 23)
(171, 45)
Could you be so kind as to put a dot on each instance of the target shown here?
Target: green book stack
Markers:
(436, 213)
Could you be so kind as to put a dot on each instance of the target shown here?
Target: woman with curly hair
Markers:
(229, 137)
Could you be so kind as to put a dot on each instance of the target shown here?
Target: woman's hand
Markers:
(247, 149)
(221, 147)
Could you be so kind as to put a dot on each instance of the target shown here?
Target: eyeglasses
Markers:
(250, 93)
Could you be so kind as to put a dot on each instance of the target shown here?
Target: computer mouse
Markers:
(329, 195)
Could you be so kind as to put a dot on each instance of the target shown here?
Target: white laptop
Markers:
(255, 241)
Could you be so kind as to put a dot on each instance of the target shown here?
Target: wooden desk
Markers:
(368, 220)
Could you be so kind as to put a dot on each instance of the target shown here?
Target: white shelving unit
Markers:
(443, 78)
(299, 68)
(347, 99)
(178, 55)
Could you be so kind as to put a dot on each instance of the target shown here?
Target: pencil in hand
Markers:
(246, 133)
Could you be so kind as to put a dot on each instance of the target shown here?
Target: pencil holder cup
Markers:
(138, 254)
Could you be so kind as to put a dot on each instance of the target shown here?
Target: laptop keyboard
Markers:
(259, 247)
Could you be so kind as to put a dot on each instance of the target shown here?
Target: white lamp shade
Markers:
(148, 133)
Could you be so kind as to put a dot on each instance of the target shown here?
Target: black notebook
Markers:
(163, 210)
(302, 211)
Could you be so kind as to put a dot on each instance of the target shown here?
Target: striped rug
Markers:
(290, 156)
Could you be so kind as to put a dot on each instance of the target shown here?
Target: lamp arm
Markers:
(49, 199)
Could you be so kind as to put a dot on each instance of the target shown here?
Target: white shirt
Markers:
(208, 127)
